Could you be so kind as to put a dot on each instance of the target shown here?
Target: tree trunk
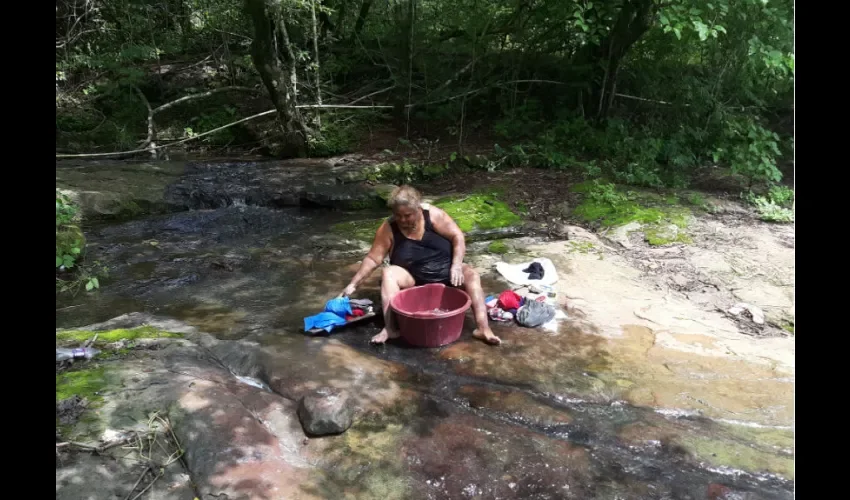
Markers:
(339, 27)
(361, 17)
(316, 61)
(274, 78)
(633, 20)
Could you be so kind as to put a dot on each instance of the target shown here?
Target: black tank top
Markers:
(428, 260)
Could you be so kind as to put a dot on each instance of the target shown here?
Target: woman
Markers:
(425, 246)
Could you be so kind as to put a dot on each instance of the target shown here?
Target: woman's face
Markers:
(406, 217)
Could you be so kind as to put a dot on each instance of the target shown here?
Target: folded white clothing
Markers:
(514, 274)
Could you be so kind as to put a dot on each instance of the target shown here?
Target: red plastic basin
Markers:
(419, 325)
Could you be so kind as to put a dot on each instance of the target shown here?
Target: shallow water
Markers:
(542, 416)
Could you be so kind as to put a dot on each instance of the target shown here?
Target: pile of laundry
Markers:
(528, 311)
(337, 312)
(535, 308)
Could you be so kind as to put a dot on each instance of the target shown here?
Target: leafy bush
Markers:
(335, 138)
(630, 155)
(771, 212)
(210, 121)
(70, 250)
(750, 149)
(405, 172)
(69, 239)
(781, 195)
(774, 207)
(606, 193)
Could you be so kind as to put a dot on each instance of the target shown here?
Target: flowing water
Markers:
(539, 417)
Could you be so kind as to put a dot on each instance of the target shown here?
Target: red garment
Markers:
(354, 314)
(509, 300)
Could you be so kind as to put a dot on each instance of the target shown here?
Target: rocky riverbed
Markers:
(651, 388)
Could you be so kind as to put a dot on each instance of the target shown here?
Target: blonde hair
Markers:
(404, 195)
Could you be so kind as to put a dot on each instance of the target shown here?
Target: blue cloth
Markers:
(324, 320)
(341, 306)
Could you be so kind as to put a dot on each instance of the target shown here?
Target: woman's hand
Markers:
(350, 289)
(457, 275)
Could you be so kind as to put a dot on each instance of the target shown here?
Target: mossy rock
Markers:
(498, 247)
(383, 191)
(118, 190)
(76, 337)
(662, 218)
(363, 230)
(86, 383)
(739, 455)
(479, 211)
(617, 215)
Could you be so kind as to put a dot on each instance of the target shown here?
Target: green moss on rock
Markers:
(363, 230)
(739, 455)
(498, 247)
(617, 215)
(663, 219)
(88, 383)
(107, 337)
(479, 211)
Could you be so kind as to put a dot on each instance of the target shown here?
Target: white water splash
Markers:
(259, 384)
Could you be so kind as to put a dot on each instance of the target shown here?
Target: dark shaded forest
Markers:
(642, 91)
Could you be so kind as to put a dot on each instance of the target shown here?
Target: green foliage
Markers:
(70, 250)
(704, 79)
(640, 157)
(333, 141)
(750, 149)
(211, 120)
(771, 212)
(69, 238)
(776, 206)
(405, 172)
(781, 195)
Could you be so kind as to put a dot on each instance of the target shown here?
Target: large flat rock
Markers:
(124, 189)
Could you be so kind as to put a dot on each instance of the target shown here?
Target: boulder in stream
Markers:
(326, 411)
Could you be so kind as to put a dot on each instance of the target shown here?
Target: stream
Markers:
(532, 419)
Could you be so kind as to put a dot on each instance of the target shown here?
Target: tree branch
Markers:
(252, 117)
(151, 129)
(201, 95)
(373, 93)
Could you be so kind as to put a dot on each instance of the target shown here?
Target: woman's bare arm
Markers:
(380, 247)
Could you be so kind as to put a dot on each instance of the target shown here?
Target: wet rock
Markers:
(68, 410)
(326, 411)
(118, 190)
(754, 312)
(680, 280)
(274, 184)
(383, 191)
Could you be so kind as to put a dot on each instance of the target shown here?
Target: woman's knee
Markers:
(470, 275)
(395, 275)
(390, 272)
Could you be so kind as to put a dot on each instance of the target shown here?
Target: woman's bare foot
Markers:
(383, 336)
(486, 335)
